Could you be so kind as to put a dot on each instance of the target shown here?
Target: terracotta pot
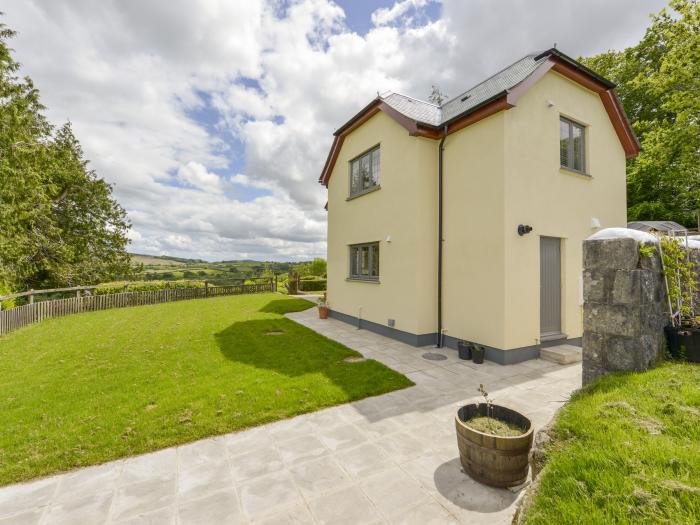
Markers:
(323, 312)
(498, 461)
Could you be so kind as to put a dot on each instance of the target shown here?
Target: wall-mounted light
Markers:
(388, 238)
(550, 103)
(524, 229)
(595, 223)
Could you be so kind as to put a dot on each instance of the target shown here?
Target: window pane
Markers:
(355, 182)
(364, 261)
(375, 167)
(365, 173)
(564, 143)
(375, 261)
(353, 261)
(577, 163)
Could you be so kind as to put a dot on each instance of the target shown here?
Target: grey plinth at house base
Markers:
(497, 355)
(624, 310)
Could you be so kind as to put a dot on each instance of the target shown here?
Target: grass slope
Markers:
(626, 450)
(93, 387)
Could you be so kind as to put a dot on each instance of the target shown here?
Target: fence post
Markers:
(126, 287)
(206, 288)
(31, 296)
(77, 294)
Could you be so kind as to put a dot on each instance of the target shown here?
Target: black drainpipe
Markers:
(439, 269)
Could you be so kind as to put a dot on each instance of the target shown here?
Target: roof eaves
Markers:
(574, 63)
(357, 116)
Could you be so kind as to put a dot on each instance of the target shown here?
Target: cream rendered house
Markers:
(513, 175)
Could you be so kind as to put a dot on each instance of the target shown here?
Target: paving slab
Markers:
(386, 459)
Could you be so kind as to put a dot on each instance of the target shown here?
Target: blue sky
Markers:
(213, 118)
(358, 14)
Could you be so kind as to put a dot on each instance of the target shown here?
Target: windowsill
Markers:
(365, 192)
(570, 171)
(361, 280)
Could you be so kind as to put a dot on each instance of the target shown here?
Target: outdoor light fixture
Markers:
(523, 229)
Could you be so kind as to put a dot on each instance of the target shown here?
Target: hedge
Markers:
(142, 287)
(312, 286)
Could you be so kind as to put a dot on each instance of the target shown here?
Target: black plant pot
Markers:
(683, 341)
(478, 354)
(464, 350)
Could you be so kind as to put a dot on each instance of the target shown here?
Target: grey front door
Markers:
(550, 286)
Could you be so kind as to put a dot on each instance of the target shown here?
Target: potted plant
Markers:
(494, 442)
(323, 308)
(681, 279)
(464, 350)
(478, 352)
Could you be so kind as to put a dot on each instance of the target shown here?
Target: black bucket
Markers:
(464, 349)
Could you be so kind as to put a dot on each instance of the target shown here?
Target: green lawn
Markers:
(93, 387)
(626, 450)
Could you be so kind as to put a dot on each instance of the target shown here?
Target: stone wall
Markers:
(625, 305)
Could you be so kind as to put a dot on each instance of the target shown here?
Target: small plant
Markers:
(323, 301)
(489, 424)
(487, 399)
(489, 405)
(647, 250)
(681, 282)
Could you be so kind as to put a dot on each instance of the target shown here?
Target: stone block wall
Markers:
(625, 308)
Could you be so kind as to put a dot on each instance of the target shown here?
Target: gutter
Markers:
(439, 269)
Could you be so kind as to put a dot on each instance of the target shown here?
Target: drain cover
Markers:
(432, 356)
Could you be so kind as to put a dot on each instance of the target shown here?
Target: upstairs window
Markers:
(364, 261)
(364, 172)
(571, 145)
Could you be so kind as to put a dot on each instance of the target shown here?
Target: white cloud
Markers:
(387, 15)
(213, 118)
(196, 175)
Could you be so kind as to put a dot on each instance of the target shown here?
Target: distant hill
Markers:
(168, 268)
(162, 260)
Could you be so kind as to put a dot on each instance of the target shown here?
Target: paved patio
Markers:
(386, 459)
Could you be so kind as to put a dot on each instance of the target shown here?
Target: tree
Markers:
(318, 267)
(59, 225)
(659, 84)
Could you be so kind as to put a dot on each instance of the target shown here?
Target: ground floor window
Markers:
(364, 261)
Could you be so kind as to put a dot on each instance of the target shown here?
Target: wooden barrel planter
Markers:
(494, 460)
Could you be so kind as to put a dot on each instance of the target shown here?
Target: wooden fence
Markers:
(37, 311)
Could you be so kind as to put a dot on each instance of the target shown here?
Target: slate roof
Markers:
(504, 80)
(416, 109)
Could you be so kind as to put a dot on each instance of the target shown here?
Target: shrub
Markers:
(7, 303)
(316, 285)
